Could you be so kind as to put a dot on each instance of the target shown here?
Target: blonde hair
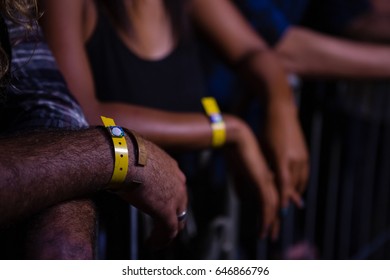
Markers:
(23, 12)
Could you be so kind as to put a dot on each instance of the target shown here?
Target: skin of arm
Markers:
(374, 25)
(64, 231)
(168, 130)
(310, 53)
(45, 167)
(240, 44)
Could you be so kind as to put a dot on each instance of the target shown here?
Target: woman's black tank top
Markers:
(174, 83)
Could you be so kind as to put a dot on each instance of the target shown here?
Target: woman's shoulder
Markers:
(90, 14)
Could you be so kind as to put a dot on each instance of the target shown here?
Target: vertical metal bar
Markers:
(133, 232)
(101, 242)
(311, 198)
(348, 191)
(262, 249)
(381, 205)
(288, 228)
(369, 154)
(382, 196)
(332, 201)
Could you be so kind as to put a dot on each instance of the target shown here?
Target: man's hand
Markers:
(60, 165)
(162, 194)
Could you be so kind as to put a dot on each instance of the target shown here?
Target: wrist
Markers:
(217, 122)
(109, 160)
(136, 163)
(121, 153)
(123, 167)
(236, 129)
(280, 109)
(134, 171)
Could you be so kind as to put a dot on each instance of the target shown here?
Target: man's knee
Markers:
(64, 231)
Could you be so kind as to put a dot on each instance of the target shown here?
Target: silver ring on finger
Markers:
(182, 216)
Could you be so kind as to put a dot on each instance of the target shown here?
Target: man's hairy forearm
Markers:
(43, 168)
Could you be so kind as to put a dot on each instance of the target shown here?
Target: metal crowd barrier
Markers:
(347, 202)
(347, 124)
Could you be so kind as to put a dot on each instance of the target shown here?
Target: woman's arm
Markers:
(310, 53)
(242, 47)
(63, 26)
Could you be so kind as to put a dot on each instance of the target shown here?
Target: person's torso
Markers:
(173, 83)
(34, 93)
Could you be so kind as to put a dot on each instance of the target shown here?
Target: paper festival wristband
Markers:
(121, 152)
(218, 126)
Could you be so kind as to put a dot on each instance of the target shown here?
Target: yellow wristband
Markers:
(218, 126)
(121, 164)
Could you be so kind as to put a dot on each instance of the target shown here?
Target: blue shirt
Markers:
(271, 18)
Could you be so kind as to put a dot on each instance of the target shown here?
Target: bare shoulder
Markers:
(89, 18)
(76, 16)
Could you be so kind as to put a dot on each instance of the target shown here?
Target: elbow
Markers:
(251, 55)
(248, 50)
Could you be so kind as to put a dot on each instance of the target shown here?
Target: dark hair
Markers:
(175, 8)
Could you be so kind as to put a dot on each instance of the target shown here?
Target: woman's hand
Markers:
(243, 147)
(288, 153)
